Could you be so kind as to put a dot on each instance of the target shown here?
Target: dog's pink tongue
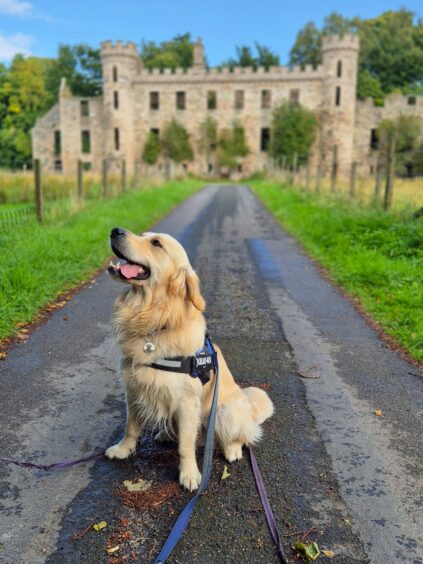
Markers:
(129, 270)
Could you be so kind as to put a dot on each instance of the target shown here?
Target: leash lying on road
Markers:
(182, 521)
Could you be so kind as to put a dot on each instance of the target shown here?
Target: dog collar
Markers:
(198, 365)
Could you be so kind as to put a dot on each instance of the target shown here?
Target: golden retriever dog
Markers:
(160, 316)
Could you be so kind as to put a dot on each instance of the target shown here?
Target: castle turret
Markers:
(198, 56)
(121, 64)
(340, 62)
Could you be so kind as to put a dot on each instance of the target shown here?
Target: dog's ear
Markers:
(193, 290)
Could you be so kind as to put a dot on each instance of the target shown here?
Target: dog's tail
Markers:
(260, 402)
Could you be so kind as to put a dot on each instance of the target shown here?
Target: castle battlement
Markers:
(339, 42)
(119, 49)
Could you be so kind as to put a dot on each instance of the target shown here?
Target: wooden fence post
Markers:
(123, 178)
(105, 178)
(378, 184)
(80, 181)
(334, 173)
(308, 173)
(39, 200)
(294, 168)
(353, 177)
(390, 174)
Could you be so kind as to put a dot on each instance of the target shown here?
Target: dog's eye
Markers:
(156, 243)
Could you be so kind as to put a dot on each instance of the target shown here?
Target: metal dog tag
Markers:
(148, 345)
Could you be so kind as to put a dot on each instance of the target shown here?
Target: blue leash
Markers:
(182, 521)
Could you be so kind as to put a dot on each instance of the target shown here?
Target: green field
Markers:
(376, 257)
(40, 261)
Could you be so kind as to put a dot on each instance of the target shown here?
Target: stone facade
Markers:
(135, 101)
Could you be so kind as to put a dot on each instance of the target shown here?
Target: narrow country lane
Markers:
(331, 467)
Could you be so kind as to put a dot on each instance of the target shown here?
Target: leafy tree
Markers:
(175, 143)
(391, 50)
(81, 66)
(208, 143)
(178, 52)
(404, 132)
(307, 49)
(232, 146)
(23, 98)
(369, 86)
(294, 130)
(152, 149)
(245, 58)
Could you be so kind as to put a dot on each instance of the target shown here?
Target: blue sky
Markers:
(38, 26)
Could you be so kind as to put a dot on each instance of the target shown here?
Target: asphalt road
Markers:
(334, 470)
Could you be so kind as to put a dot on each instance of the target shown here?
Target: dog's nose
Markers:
(117, 232)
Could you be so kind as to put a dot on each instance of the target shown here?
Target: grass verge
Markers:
(376, 257)
(41, 261)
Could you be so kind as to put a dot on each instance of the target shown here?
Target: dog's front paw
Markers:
(121, 450)
(233, 452)
(190, 479)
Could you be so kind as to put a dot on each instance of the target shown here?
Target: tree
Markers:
(307, 49)
(81, 66)
(208, 138)
(152, 149)
(175, 143)
(294, 130)
(264, 57)
(23, 97)
(404, 133)
(178, 52)
(391, 50)
(232, 146)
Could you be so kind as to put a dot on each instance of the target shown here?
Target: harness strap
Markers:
(182, 521)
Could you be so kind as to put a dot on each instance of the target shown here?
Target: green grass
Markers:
(377, 257)
(40, 261)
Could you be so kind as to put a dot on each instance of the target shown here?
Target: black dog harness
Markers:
(197, 366)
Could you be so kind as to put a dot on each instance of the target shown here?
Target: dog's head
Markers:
(155, 260)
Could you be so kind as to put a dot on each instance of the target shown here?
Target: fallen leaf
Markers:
(328, 553)
(3, 355)
(112, 550)
(138, 486)
(307, 551)
(347, 521)
(225, 473)
(21, 324)
(99, 526)
(378, 412)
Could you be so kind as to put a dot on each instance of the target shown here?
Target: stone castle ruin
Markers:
(136, 100)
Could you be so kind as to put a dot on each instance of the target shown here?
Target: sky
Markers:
(38, 26)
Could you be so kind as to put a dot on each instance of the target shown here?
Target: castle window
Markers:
(266, 99)
(338, 96)
(264, 139)
(294, 96)
(116, 99)
(339, 69)
(85, 141)
(117, 139)
(239, 99)
(115, 74)
(154, 100)
(211, 100)
(180, 100)
(85, 108)
(412, 101)
(155, 132)
(57, 143)
(374, 139)
(58, 165)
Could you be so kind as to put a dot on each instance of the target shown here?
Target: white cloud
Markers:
(10, 45)
(16, 8)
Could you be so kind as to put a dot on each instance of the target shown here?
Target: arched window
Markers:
(339, 69)
(338, 96)
(115, 74)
